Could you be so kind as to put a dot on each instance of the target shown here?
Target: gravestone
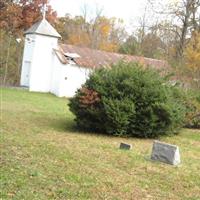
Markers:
(125, 146)
(166, 153)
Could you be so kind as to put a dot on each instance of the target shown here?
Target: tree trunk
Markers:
(7, 59)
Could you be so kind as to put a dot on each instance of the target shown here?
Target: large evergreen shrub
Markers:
(192, 103)
(128, 100)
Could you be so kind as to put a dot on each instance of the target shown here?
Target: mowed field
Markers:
(44, 157)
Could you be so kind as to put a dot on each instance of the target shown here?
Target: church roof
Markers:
(91, 58)
(43, 27)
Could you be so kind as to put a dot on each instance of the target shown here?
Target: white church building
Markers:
(49, 66)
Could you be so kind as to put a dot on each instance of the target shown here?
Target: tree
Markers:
(184, 17)
(130, 46)
(192, 57)
(17, 16)
(99, 32)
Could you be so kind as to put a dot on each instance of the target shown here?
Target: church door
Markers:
(27, 67)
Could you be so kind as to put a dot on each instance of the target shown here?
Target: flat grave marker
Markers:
(125, 146)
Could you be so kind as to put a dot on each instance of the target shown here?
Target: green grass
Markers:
(43, 157)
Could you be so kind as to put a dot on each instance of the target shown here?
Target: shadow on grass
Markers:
(58, 124)
(68, 124)
(62, 125)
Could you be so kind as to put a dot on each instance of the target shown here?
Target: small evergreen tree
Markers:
(128, 100)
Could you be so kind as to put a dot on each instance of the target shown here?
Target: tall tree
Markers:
(184, 17)
(192, 57)
(99, 32)
(18, 15)
(130, 46)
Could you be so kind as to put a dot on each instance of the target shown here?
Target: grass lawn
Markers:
(43, 157)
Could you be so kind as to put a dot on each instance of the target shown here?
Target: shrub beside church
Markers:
(128, 100)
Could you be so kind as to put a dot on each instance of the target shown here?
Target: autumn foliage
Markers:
(192, 52)
(178, 43)
(17, 17)
(98, 33)
(88, 97)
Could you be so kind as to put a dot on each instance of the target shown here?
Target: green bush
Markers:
(128, 100)
(192, 103)
(194, 122)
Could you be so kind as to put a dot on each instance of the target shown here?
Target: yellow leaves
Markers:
(105, 29)
(104, 26)
(192, 52)
(79, 39)
(105, 46)
(100, 33)
(101, 37)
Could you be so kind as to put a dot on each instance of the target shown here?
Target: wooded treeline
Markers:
(173, 34)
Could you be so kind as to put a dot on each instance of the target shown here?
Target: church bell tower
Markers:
(40, 40)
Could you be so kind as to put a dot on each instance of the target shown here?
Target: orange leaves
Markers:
(88, 97)
(17, 16)
(11, 17)
(32, 12)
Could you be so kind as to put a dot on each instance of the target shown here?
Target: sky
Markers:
(128, 10)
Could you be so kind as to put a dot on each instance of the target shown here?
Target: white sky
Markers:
(128, 10)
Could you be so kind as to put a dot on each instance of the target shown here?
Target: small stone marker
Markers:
(125, 146)
(166, 153)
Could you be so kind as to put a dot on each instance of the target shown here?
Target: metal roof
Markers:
(91, 58)
(43, 27)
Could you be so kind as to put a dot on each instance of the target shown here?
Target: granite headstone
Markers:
(166, 153)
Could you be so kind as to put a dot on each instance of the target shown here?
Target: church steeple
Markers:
(40, 40)
(43, 27)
